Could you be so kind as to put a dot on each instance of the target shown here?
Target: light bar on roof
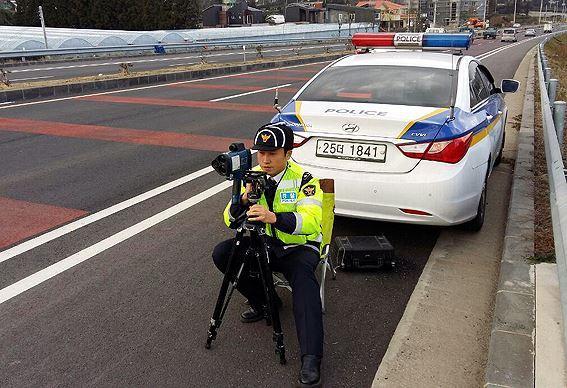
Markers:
(411, 40)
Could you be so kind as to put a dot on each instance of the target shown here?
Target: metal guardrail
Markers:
(281, 39)
(194, 45)
(556, 176)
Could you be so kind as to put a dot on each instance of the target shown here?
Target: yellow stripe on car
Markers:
(484, 132)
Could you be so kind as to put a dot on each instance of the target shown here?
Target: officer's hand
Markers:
(260, 213)
(245, 195)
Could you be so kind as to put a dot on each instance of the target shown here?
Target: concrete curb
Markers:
(511, 351)
(126, 82)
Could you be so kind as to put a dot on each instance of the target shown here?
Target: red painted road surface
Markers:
(122, 135)
(20, 219)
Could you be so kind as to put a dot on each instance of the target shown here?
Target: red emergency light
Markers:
(385, 39)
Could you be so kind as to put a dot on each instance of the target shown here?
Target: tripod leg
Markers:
(227, 287)
(270, 291)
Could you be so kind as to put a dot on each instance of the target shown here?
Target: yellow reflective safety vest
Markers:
(298, 207)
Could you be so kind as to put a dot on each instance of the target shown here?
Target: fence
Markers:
(284, 37)
(553, 122)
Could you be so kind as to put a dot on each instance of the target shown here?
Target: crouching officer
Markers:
(291, 209)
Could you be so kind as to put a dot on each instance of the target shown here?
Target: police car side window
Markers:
(478, 89)
(489, 86)
(473, 85)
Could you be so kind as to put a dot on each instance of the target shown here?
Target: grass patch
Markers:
(537, 259)
(544, 247)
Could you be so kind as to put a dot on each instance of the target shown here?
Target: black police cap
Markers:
(270, 137)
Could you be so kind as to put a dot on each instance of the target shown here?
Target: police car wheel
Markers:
(499, 157)
(476, 223)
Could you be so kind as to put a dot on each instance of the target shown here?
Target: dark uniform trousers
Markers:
(297, 264)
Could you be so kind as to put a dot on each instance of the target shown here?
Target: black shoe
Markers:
(310, 373)
(255, 314)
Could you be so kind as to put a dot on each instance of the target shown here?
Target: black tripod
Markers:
(258, 251)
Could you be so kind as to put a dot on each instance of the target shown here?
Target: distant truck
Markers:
(547, 28)
(275, 19)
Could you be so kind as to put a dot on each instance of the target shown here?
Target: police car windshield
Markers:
(395, 85)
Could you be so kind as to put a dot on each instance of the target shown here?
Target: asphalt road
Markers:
(71, 69)
(126, 300)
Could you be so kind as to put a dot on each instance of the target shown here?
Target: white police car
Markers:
(408, 136)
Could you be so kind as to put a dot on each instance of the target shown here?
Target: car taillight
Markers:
(298, 141)
(447, 151)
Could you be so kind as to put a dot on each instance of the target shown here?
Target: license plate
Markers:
(351, 150)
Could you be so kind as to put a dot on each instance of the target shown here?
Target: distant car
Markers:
(490, 33)
(517, 25)
(530, 32)
(509, 35)
(547, 28)
(469, 31)
(435, 30)
(275, 19)
(407, 136)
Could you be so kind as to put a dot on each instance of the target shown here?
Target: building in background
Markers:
(232, 14)
(305, 12)
(393, 16)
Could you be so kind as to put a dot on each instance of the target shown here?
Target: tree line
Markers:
(111, 14)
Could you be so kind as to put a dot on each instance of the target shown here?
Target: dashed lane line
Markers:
(249, 93)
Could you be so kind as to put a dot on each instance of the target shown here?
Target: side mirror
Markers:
(509, 85)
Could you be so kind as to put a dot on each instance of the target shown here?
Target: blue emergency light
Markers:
(412, 40)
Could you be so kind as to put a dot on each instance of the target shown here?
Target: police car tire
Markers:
(499, 157)
(476, 223)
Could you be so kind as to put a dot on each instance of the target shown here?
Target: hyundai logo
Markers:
(351, 128)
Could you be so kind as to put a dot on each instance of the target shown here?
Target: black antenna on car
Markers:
(276, 96)
(452, 94)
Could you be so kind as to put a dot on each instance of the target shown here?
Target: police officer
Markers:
(291, 209)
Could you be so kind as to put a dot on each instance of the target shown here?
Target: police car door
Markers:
(483, 104)
(495, 109)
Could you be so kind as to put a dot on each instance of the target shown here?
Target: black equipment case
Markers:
(363, 252)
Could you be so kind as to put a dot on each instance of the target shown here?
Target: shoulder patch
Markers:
(309, 190)
(306, 178)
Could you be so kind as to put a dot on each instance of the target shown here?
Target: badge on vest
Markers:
(309, 190)
(288, 197)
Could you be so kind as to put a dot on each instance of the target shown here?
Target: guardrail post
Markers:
(559, 119)
(4, 77)
(547, 73)
(552, 89)
(244, 52)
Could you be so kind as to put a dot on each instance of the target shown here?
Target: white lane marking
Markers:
(249, 93)
(156, 86)
(153, 60)
(499, 49)
(29, 79)
(47, 273)
(56, 233)
(7, 103)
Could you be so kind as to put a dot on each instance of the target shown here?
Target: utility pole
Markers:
(40, 11)
(515, 3)
(540, 9)
(435, 13)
